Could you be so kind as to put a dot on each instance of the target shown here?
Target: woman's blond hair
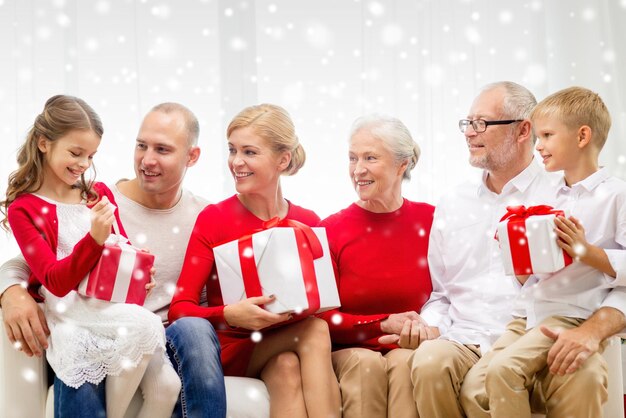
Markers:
(272, 123)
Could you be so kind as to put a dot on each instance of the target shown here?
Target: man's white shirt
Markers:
(472, 298)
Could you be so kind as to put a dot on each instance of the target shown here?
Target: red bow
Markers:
(516, 228)
(523, 212)
(309, 249)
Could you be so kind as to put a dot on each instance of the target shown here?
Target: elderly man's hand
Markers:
(24, 321)
(570, 350)
(413, 333)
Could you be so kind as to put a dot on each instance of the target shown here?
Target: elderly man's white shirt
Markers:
(472, 298)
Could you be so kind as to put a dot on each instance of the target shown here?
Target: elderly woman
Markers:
(379, 246)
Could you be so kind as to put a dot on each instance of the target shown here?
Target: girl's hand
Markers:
(152, 284)
(102, 218)
(249, 315)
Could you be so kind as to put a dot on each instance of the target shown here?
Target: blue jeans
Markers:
(85, 402)
(194, 350)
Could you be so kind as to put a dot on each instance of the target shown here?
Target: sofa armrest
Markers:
(23, 380)
(614, 407)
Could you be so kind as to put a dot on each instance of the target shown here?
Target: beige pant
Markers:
(437, 371)
(373, 385)
(500, 383)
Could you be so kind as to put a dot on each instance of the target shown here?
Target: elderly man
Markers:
(472, 299)
(158, 214)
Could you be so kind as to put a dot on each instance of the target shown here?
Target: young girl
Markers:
(61, 222)
(294, 359)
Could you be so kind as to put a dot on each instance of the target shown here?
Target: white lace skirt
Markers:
(91, 338)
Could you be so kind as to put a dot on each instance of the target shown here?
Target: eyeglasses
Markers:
(480, 125)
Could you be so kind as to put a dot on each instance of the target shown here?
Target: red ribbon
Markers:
(309, 249)
(518, 242)
(101, 279)
(524, 212)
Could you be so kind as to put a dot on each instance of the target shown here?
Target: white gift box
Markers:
(280, 271)
(534, 248)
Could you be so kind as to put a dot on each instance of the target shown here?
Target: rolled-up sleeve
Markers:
(14, 272)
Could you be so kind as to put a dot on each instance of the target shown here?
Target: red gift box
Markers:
(121, 275)
(529, 244)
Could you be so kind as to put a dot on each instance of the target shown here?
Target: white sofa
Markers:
(24, 392)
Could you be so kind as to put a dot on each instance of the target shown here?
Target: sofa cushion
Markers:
(245, 398)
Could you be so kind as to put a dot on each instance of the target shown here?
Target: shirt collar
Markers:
(589, 183)
(520, 182)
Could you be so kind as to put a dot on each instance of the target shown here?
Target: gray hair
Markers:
(518, 100)
(395, 134)
(191, 121)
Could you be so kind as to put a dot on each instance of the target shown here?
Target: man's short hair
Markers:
(575, 107)
(518, 100)
(191, 121)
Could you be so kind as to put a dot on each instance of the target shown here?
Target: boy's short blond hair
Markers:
(575, 107)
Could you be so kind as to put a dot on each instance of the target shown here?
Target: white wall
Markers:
(326, 61)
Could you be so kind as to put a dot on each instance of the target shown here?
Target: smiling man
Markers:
(164, 150)
(158, 214)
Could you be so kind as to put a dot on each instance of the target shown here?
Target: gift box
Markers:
(121, 274)
(286, 259)
(528, 241)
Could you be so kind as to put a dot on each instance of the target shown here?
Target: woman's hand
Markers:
(249, 315)
(102, 219)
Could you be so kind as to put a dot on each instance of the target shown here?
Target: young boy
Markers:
(571, 126)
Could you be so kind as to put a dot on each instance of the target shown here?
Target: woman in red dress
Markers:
(293, 359)
(379, 246)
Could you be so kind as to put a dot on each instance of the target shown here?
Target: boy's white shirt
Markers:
(578, 290)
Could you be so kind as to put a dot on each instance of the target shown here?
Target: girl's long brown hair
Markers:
(61, 114)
